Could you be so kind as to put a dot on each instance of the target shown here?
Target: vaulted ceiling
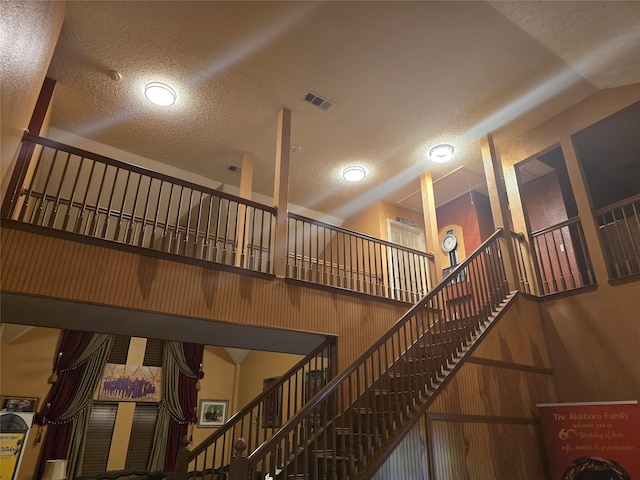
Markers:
(401, 77)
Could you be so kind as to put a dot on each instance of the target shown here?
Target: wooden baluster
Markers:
(80, 218)
(73, 194)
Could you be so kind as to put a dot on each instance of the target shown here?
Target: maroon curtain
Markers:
(188, 396)
(56, 442)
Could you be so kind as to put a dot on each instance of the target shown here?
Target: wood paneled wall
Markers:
(55, 267)
(409, 459)
(484, 451)
(484, 424)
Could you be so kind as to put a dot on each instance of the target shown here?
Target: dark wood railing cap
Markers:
(240, 448)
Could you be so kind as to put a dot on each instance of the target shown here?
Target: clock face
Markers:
(449, 242)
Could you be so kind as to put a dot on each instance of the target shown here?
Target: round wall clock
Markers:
(449, 242)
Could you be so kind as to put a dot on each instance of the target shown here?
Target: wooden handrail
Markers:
(363, 236)
(566, 223)
(143, 171)
(613, 206)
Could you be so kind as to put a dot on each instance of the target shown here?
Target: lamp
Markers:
(160, 94)
(441, 153)
(354, 173)
(55, 470)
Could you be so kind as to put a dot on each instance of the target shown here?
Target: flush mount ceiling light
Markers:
(160, 94)
(354, 173)
(441, 153)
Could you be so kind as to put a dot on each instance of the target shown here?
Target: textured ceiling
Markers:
(403, 76)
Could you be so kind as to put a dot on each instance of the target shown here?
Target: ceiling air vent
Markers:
(317, 101)
(233, 168)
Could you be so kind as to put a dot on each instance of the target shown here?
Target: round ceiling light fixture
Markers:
(160, 94)
(441, 153)
(354, 173)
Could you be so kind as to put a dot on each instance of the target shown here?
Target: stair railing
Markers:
(258, 420)
(341, 431)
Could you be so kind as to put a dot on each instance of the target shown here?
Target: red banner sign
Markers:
(592, 440)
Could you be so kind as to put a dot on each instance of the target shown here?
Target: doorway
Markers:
(408, 277)
(553, 226)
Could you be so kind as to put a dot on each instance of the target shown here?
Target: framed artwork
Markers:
(19, 404)
(130, 383)
(314, 381)
(272, 406)
(212, 413)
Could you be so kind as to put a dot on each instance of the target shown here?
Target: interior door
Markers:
(408, 275)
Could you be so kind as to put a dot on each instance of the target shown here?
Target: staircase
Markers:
(353, 424)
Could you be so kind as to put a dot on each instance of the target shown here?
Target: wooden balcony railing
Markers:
(325, 254)
(619, 226)
(72, 190)
(562, 258)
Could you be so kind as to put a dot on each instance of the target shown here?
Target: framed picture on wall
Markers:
(19, 404)
(314, 381)
(272, 405)
(130, 383)
(213, 413)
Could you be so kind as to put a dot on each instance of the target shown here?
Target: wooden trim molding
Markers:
(513, 366)
(444, 417)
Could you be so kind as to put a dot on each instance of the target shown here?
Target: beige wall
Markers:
(366, 221)
(31, 31)
(593, 339)
(258, 366)
(591, 335)
(217, 384)
(25, 366)
(372, 220)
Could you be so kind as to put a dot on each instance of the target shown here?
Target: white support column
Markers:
(431, 223)
(281, 193)
(587, 219)
(499, 206)
(246, 180)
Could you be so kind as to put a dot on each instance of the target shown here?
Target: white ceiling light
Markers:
(160, 94)
(354, 173)
(441, 153)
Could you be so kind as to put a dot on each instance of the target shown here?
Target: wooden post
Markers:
(182, 460)
(431, 225)
(499, 207)
(281, 193)
(25, 154)
(246, 179)
(239, 463)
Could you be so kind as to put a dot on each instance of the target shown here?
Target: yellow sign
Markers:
(10, 448)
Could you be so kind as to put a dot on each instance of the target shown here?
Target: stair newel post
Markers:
(182, 460)
(239, 463)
